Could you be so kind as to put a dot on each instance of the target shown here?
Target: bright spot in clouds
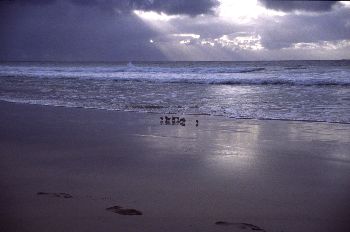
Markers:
(247, 9)
(243, 11)
(329, 45)
(186, 41)
(243, 41)
(246, 19)
(207, 42)
(345, 3)
(153, 16)
(194, 36)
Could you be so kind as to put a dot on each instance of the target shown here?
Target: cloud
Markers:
(193, 7)
(172, 7)
(283, 31)
(77, 30)
(326, 45)
(240, 40)
(288, 6)
(65, 31)
(28, 2)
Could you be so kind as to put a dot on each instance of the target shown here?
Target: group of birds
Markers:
(174, 120)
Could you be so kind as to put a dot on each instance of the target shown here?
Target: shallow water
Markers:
(285, 90)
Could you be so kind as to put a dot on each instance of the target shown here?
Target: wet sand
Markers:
(68, 169)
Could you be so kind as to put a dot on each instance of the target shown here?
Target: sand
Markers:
(69, 169)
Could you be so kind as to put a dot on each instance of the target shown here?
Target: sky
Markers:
(173, 30)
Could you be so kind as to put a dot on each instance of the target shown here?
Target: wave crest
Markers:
(216, 75)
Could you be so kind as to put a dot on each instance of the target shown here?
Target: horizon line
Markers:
(159, 61)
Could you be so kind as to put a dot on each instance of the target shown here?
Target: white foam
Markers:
(238, 75)
(314, 93)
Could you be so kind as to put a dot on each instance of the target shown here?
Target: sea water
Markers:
(283, 90)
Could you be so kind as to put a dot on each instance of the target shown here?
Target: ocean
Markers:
(317, 91)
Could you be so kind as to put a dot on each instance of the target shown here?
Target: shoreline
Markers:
(188, 114)
(77, 169)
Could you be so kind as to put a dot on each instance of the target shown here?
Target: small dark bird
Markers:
(167, 118)
(182, 120)
(161, 118)
(196, 122)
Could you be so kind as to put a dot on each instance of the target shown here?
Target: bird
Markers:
(197, 122)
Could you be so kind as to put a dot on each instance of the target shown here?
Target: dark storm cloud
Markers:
(287, 6)
(27, 2)
(65, 31)
(173, 7)
(193, 7)
(108, 30)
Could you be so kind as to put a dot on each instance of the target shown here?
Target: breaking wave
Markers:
(288, 90)
(216, 75)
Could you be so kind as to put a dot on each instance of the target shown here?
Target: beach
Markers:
(64, 169)
(174, 116)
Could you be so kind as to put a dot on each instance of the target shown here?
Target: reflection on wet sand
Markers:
(275, 175)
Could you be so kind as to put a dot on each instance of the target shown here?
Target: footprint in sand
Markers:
(121, 211)
(59, 195)
(242, 226)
